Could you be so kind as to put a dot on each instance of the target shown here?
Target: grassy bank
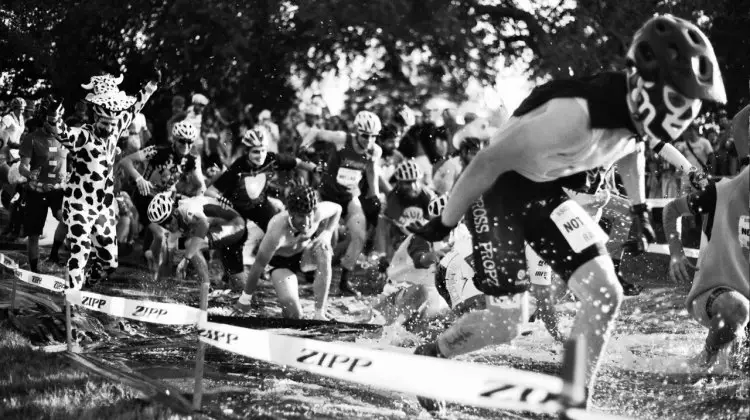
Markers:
(39, 385)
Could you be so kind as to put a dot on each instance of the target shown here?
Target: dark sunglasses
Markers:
(185, 141)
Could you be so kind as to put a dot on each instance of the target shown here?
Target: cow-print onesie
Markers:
(89, 208)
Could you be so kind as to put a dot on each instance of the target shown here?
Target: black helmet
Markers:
(673, 51)
(302, 200)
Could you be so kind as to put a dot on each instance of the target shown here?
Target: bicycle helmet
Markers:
(255, 138)
(671, 67)
(184, 130)
(302, 200)
(408, 171)
(436, 206)
(367, 123)
(160, 207)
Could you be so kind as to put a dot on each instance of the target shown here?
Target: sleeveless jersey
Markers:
(345, 172)
(726, 257)
(574, 126)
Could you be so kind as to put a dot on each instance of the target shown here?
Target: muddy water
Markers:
(644, 375)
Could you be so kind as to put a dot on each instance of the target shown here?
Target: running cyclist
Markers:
(297, 240)
(203, 223)
(512, 192)
(353, 170)
(165, 166)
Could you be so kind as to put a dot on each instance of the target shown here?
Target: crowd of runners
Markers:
(461, 219)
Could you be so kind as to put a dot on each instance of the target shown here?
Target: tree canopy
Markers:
(239, 51)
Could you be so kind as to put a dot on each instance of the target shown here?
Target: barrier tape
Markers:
(154, 312)
(663, 249)
(45, 281)
(450, 380)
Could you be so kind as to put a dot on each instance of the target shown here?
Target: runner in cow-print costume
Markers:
(89, 207)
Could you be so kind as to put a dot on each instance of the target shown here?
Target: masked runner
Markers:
(89, 208)
(203, 223)
(353, 169)
(297, 240)
(512, 192)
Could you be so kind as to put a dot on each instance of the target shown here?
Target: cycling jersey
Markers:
(48, 158)
(244, 184)
(344, 173)
(164, 167)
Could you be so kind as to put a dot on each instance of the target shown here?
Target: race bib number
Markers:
(744, 231)
(578, 228)
(348, 177)
(254, 185)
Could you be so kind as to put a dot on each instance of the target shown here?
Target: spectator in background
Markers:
(313, 113)
(194, 116)
(139, 130)
(726, 162)
(30, 109)
(265, 122)
(14, 123)
(698, 151)
(80, 115)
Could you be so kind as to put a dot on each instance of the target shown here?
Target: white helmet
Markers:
(436, 206)
(160, 207)
(367, 122)
(184, 130)
(255, 138)
(406, 116)
(408, 171)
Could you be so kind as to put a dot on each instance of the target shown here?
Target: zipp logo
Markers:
(332, 361)
(59, 285)
(93, 302)
(145, 312)
(36, 279)
(218, 336)
(518, 393)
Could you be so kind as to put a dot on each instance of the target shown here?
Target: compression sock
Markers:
(34, 265)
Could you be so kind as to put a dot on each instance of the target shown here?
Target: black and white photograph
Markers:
(385, 209)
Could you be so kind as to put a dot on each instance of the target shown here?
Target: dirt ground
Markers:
(645, 374)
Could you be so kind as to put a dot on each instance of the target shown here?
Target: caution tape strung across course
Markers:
(470, 383)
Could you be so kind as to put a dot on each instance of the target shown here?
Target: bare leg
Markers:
(600, 296)
(285, 283)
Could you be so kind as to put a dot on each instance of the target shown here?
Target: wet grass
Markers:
(39, 385)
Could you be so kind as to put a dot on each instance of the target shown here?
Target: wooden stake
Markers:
(200, 355)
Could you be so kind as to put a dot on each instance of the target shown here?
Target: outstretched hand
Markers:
(432, 231)
(678, 269)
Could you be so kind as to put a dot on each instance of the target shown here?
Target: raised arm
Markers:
(315, 134)
(373, 172)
